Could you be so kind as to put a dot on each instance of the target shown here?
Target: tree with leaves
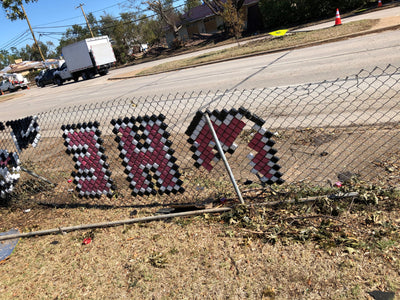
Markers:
(231, 12)
(189, 4)
(278, 13)
(77, 33)
(31, 52)
(233, 18)
(150, 31)
(6, 58)
(72, 35)
(122, 32)
(218, 6)
(13, 8)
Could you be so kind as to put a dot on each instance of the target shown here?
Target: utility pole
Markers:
(87, 22)
(33, 35)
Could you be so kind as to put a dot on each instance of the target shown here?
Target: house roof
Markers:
(203, 11)
(198, 13)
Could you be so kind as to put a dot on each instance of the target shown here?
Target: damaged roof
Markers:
(203, 11)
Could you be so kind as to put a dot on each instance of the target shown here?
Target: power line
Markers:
(119, 17)
(13, 41)
(81, 24)
(111, 26)
(23, 41)
(109, 7)
(141, 18)
(60, 26)
(16, 41)
(77, 17)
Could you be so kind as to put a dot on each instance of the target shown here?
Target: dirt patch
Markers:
(127, 74)
(7, 97)
(387, 22)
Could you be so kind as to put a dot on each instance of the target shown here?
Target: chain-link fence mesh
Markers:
(321, 131)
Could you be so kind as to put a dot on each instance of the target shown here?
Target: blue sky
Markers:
(46, 17)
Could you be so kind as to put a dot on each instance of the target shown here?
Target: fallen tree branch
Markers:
(114, 223)
(167, 216)
(315, 217)
(308, 199)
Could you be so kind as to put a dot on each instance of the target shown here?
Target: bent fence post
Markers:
(221, 152)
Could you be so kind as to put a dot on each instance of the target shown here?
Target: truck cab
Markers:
(62, 75)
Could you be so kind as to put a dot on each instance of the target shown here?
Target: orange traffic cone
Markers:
(338, 21)
(379, 3)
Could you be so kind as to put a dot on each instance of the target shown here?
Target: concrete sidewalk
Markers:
(382, 14)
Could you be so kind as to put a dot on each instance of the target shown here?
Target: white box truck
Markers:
(86, 59)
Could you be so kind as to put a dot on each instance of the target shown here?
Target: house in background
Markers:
(201, 20)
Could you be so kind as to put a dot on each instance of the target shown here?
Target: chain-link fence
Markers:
(160, 149)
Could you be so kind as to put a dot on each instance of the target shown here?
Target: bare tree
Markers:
(166, 12)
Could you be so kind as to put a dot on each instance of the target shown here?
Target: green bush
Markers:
(278, 13)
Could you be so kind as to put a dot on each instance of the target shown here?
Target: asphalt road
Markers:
(307, 65)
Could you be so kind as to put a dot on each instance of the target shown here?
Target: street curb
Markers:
(316, 43)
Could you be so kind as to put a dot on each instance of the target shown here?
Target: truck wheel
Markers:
(88, 75)
(76, 78)
(58, 81)
(103, 72)
(41, 84)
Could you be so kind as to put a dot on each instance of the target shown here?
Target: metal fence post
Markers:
(221, 152)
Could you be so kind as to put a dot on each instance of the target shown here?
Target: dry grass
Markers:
(321, 250)
(267, 44)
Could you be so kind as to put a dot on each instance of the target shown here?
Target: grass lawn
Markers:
(268, 43)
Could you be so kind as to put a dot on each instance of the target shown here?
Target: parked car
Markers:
(46, 78)
(41, 73)
(6, 86)
(62, 74)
